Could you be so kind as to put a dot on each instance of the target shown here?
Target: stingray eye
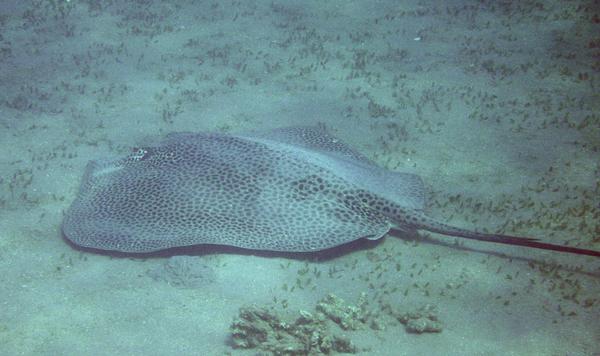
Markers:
(139, 154)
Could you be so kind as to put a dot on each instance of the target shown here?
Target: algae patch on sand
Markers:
(322, 331)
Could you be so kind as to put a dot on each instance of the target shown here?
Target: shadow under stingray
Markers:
(328, 254)
(210, 249)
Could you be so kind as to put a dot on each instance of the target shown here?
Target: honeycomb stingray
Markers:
(292, 189)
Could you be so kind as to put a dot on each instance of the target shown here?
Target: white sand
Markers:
(495, 102)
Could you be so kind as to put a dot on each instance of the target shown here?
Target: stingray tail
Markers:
(426, 223)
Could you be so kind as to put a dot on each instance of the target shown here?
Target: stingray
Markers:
(295, 189)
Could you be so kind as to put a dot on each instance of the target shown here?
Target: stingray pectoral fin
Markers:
(375, 236)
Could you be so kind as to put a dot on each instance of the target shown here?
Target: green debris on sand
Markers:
(308, 334)
(422, 320)
(317, 332)
(348, 317)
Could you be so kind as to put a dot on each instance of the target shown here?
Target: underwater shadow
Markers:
(359, 245)
(209, 249)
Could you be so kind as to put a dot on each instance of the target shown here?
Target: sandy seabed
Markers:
(494, 104)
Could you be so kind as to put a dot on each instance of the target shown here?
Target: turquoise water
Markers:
(494, 104)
